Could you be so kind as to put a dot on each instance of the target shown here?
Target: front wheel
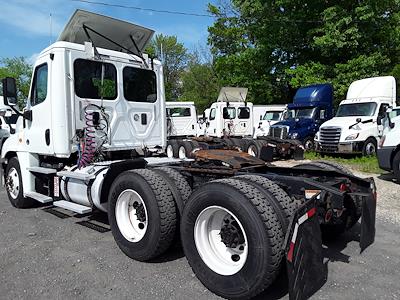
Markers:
(14, 186)
(369, 148)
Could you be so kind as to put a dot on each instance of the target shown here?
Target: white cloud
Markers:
(29, 18)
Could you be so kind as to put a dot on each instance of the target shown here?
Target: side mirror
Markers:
(9, 91)
(379, 120)
(204, 115)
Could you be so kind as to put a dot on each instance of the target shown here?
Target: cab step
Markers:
(80, 209)
(76, 175)
(42, 170)
(39, 197)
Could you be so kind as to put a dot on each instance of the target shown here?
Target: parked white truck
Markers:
(96, 111)
(354, 129)
(389, 145)
(272, 115)
(228, 122)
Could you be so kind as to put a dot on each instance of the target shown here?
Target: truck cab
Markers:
(272, 115)
(312, 105)
(355, 127)
(389, 145)
(181, 119)
(231, 115)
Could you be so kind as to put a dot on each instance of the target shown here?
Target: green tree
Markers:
(174, 57)
(21, 70)
(273, 47)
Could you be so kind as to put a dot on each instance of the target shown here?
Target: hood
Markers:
(292, 123)
(343, 122)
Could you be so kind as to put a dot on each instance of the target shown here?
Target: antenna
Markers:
(51, 29)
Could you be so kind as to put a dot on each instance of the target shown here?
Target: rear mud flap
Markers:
(304, 260)
(368, 217)
(298, 153)
(267, 153)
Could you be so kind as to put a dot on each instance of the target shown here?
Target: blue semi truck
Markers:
(312, 105)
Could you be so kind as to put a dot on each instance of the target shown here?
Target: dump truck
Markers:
(89, 140)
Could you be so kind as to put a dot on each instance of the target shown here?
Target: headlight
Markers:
(294, 135)
(352, 137)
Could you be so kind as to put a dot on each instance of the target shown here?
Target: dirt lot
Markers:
(44, 256)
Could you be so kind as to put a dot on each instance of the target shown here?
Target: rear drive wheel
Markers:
(185, 149)
(172, 149)
(14, 187)
(254, 148)
(232, 238)
(309, 144)
(142, 214)
(369, 148)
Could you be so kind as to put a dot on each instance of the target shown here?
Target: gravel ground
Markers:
(47, 257)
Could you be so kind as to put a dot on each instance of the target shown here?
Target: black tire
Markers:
(255, 147)
(287, 204)
(396, 166)
(309, 144)
(369, 147)
(262, 228)
(175, 147)
(236, 142)
(188, 146)
(160, 206)
(19, 201)
(336, 166)
(179, 181)
(228, 142)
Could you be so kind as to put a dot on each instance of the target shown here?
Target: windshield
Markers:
(306, 112)
(356, 109)
(272, 115)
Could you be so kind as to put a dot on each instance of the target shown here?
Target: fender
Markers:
(114, 170)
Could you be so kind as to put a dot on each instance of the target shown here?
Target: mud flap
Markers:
(304, 260)
(368, 217)
(267, 153)
(298, 153)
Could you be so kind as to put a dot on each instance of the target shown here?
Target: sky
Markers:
(25, 25)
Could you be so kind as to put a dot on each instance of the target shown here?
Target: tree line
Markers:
(273, 48)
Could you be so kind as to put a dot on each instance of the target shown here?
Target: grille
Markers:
(329, 138)
(279, 132)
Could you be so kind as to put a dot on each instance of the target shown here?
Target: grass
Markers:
(367, 164)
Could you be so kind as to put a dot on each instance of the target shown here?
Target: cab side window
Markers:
(39, 87)
(212, 114)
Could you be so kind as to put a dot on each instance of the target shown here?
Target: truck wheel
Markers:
(369, 147)
(14, 187)
(142, 214)
(396, 166)
(185, 149)
(286, 203)
(254, 148)
(232, 238)
(309, 144)
(180, 182)
(336, 166)
(172, 149)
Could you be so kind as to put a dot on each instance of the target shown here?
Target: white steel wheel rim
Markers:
(370, 148)
(13, 183)
(129, 212)
(215, 254)
(182, 152)
(170, 151)
(252, 150)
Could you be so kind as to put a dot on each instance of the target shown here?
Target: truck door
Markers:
(37, 134)
(212, 123)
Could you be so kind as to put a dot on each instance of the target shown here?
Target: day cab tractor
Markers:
(88, 140)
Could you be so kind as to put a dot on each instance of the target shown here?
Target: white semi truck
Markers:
(354, 129)
(96, 112)
(228, 122)
(389, 145)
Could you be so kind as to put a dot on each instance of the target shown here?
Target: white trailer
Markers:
(355, 127)
(96, 112)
